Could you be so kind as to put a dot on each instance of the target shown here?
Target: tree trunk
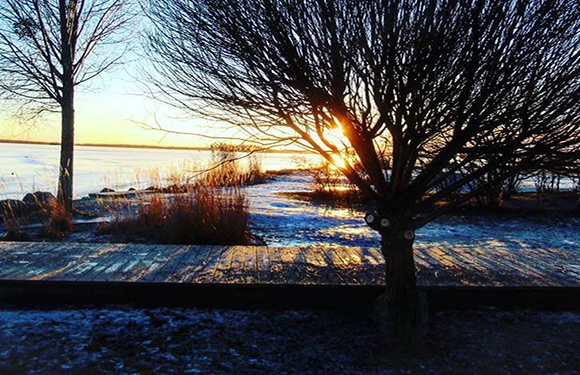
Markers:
(68, 38)
(401, 310)
(65, 180)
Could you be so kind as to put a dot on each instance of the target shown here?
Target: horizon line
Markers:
(146, 146)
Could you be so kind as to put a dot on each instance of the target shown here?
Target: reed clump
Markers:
(202, 216)
(191, 204)
(59, 223)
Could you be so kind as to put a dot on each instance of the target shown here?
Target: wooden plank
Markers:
(163, 256)
(340, 266)
(93, 262)
(11, 260)
(354, 265)
(9, 247)
(191, 266)
(250, 264)
(206, 270)
(159, 259)
(549, 263)
(236, 273)
(188, 258)
(224, 263)
(79, 262)
(505, 268)
(30, 260)
(469, 269)
(40, 264)
(293, 266)
(133, 269)
(317, 266)
(263, 265)
(177, 253)
(470, 274)
(107, 269)
(376, 254)
(455, 270)
(438, 265)
(101, 260)
(276, 273)
(419, 255)
(130, 256)
(374, 268)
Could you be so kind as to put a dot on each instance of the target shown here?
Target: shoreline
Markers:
(139, 146)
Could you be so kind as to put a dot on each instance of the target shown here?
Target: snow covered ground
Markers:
(285, 221)
(197, 341)
(123, 340)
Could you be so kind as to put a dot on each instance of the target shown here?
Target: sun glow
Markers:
(335, 135)
(338, 162)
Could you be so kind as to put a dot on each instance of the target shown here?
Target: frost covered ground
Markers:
(123, 340)
(285, 221)
(282, 219)
(176, 341)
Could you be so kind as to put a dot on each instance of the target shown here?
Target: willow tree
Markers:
(413, 100)
(47, 48)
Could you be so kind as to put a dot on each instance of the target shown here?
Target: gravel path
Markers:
(166, 341)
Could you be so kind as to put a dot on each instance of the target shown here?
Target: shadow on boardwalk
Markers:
(250, 276)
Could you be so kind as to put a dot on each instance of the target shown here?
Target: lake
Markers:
(29, 167)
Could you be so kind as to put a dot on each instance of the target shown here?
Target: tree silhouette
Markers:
(47, 48)
(429, 95)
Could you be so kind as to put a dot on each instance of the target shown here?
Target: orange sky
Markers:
(110, 112)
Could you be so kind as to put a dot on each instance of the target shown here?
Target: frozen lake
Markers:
(28, 167)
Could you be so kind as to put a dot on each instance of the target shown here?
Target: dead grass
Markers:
(199, 205)
(202, 216)
(14, 230)
(59, 223)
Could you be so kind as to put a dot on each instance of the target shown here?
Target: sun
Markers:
(338, 162)
(335, 135)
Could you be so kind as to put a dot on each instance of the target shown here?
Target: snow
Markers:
(119, 340)
(124, 340)
(286, 221)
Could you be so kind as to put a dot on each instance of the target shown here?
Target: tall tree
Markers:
(418, 98)
(47, 48)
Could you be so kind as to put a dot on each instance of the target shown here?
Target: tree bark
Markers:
(68, 39)
(65, 180)
(402, 309)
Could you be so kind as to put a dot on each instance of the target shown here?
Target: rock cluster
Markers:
(30, 203)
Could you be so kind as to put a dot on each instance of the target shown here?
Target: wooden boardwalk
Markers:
(157, 271)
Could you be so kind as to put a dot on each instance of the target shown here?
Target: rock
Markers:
(12, 207)
(38, 199)
(16, 236)
(132, 189)
(107, 190)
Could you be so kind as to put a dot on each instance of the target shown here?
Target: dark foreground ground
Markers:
(165, 341)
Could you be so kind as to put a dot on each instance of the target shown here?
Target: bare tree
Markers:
(421, 90)
(47, 48)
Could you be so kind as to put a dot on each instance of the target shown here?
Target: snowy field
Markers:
(197, 341)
